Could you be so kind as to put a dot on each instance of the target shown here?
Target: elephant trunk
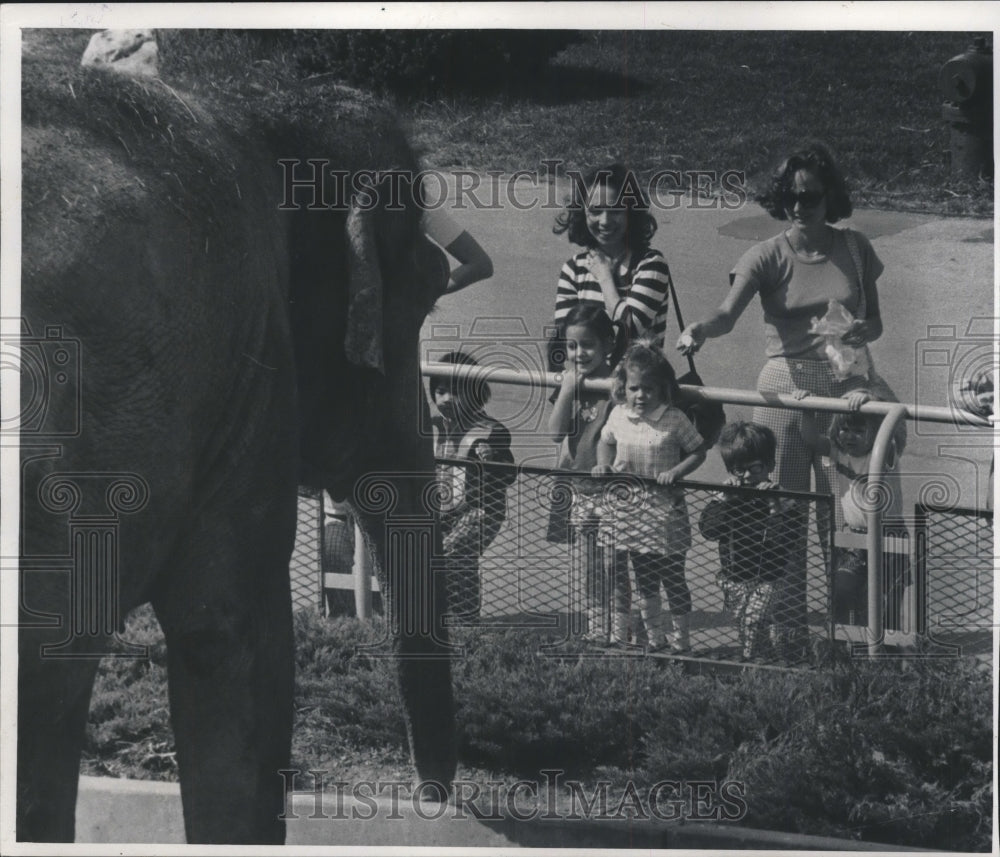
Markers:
(405, 539)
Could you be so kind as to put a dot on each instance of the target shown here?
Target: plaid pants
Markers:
(466, 533)
(797, 460)
(750, 602)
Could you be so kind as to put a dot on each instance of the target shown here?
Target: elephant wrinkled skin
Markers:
(209, 329)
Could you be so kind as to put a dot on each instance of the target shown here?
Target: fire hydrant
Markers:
(967, 83)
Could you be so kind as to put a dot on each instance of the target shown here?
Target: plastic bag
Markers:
(845, 360)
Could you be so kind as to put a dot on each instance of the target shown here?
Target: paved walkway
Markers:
(134, 812)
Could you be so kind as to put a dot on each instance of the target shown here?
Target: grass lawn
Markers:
(711, 100)
(721, 100)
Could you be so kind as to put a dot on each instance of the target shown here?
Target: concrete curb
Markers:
(134, 811)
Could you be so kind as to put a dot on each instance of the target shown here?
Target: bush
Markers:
(894, 752)
(890, 752)
(520, 711)
(343, 696)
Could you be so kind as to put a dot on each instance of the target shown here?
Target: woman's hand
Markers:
(602, 266)
(861, 332)
(601, 470)
(691, 339)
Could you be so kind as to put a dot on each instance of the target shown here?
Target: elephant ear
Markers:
(363, 339)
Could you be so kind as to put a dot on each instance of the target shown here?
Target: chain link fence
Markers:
(954, 561)
(304, 568)
(699, 570)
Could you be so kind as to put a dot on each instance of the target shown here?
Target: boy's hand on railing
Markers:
(667, 477)
(799, 395)
(727, 496)
(601, 470)
(483, 451)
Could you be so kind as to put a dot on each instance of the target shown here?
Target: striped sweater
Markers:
(642, 308)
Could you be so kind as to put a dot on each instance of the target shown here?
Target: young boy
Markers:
(754, 532)
(849, 447)
(473, 499)
(975, 394)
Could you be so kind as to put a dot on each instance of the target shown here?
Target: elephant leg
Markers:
(230, 663)
(416, 604)
(53, 702)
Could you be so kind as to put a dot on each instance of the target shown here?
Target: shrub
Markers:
(890, 752)
(895, 752)
(521, 711)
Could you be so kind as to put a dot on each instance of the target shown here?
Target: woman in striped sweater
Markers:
(608, 215)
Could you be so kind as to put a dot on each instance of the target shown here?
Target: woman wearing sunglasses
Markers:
(795, 275)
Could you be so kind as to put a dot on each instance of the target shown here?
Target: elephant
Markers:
(201, 333)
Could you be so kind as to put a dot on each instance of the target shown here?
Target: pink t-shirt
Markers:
(795, 288)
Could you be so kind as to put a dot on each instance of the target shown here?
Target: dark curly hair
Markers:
(475, 393)
(742, 442)
(594, 318)
(816, 158)
(641, 224)
(646, 356)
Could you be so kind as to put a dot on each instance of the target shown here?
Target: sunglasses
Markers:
(751, 468)
(805, 198)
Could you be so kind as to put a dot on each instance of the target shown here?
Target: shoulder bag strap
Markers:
(677, 312)
(852, 245)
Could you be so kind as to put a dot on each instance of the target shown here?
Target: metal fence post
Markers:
(321, 554)
(874, 540)
(920, 569)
